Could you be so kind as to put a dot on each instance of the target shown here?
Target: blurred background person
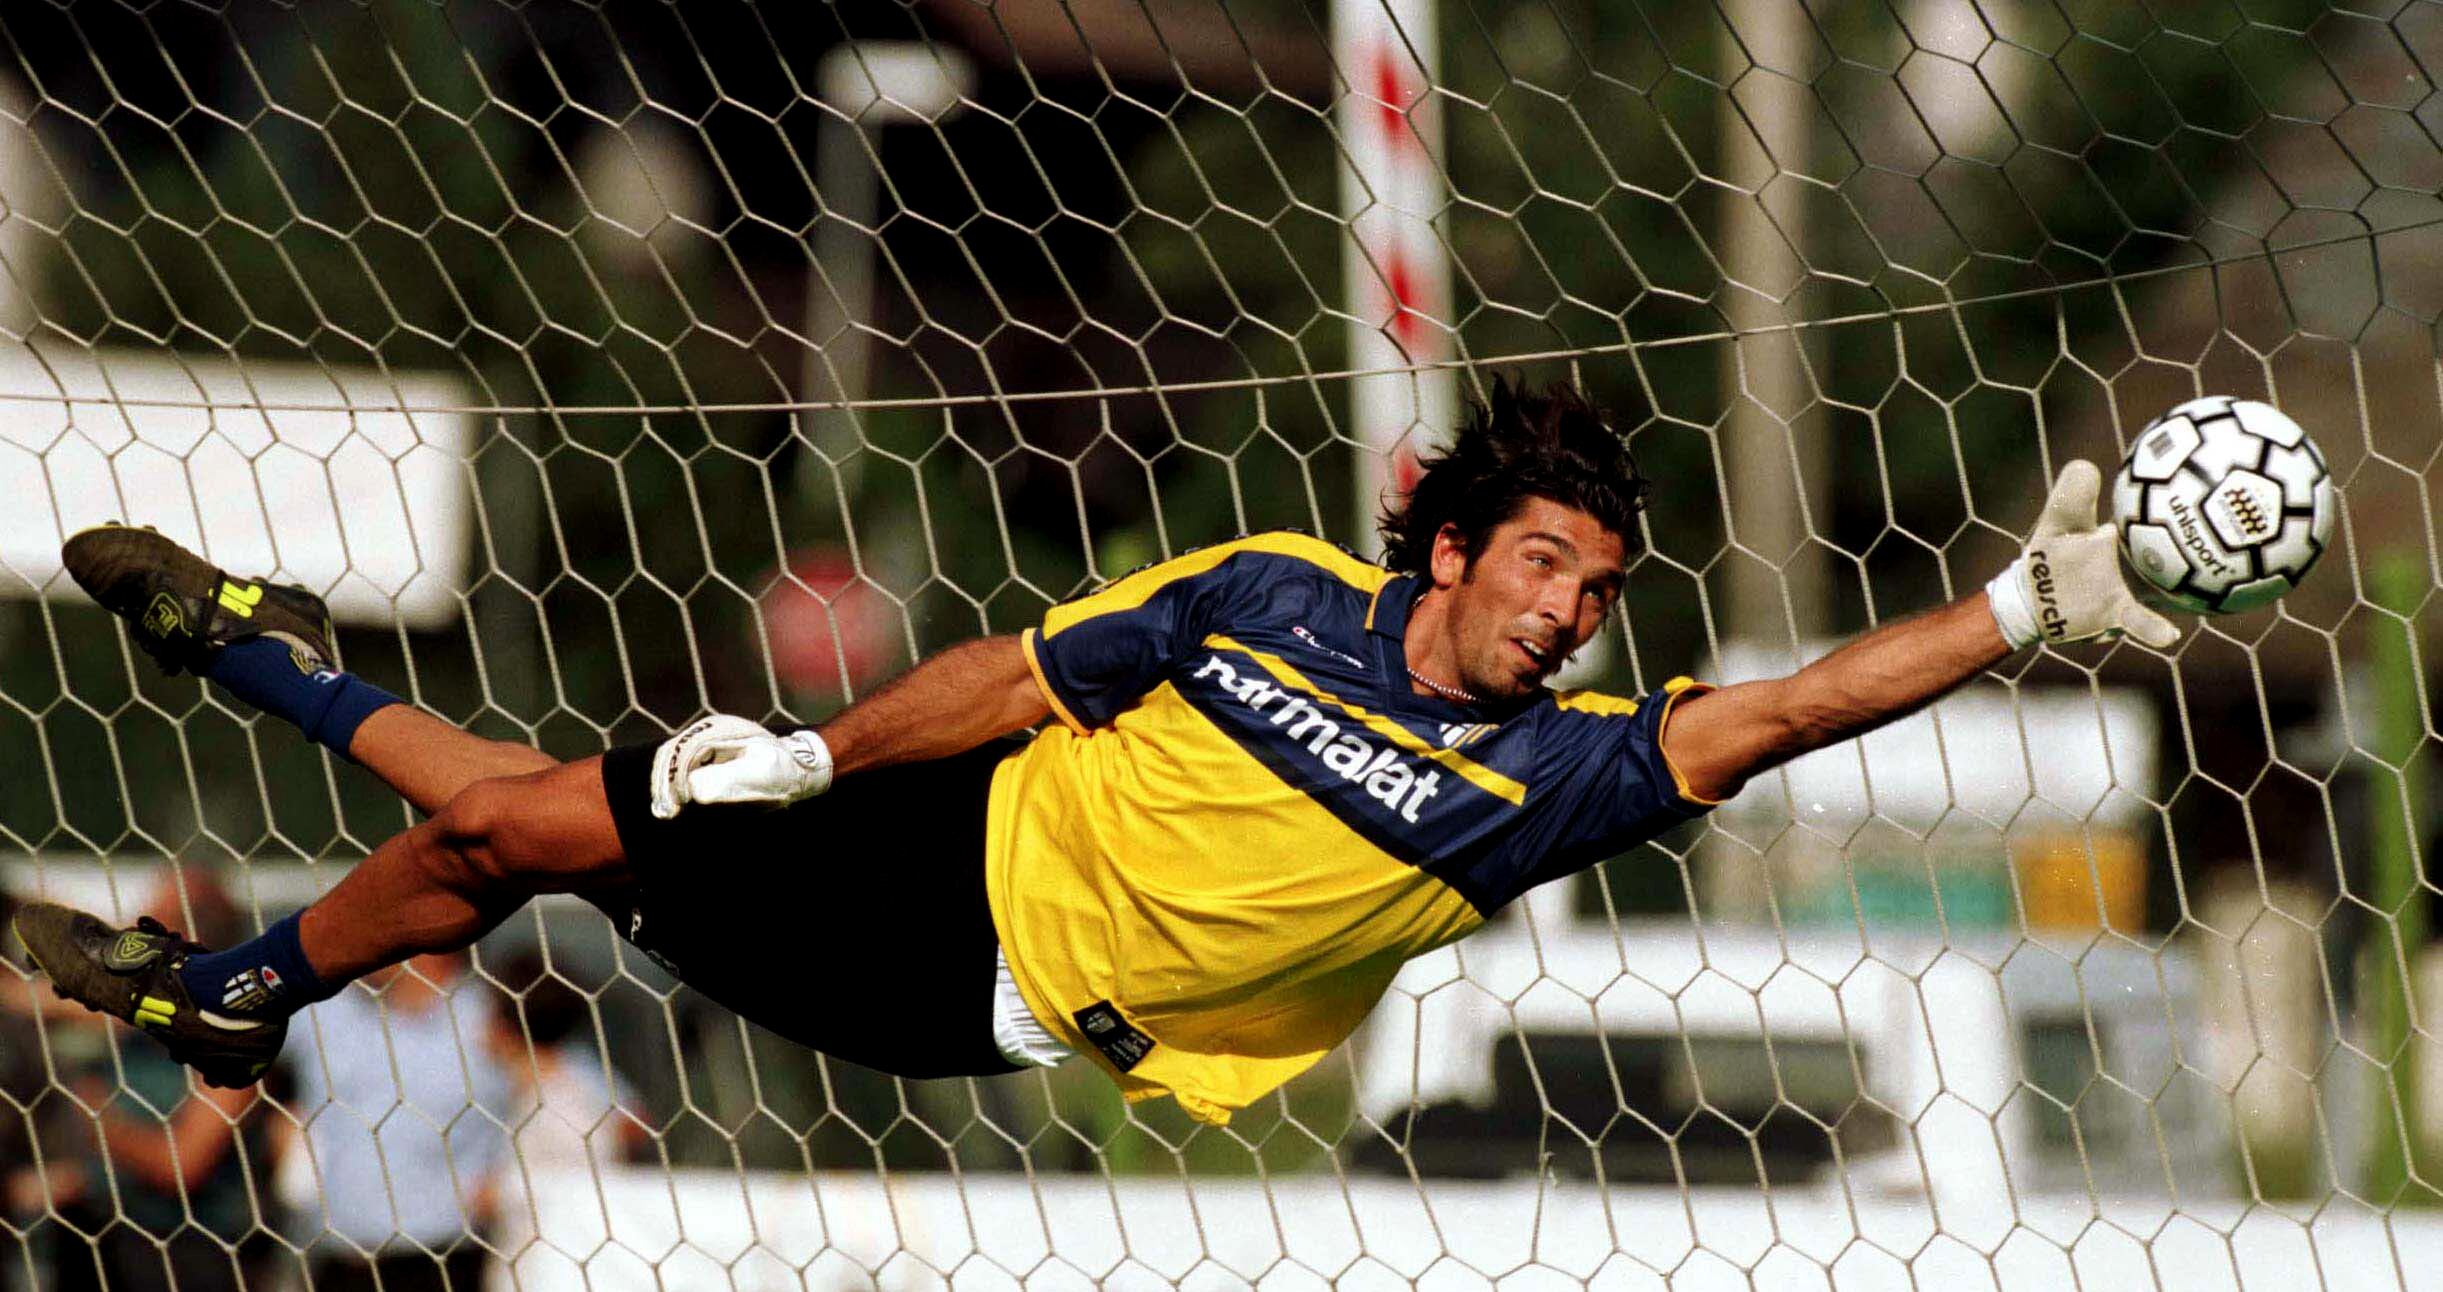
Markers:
(46, 1136)
(574, 1121)
(38, 1167)
(402, 1106)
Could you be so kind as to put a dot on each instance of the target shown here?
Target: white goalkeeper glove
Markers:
(2067, 585)
(722, 759)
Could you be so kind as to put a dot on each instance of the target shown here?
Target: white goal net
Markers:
(610, 363)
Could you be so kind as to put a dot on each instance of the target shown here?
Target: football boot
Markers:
(131, 974)
(182, 609)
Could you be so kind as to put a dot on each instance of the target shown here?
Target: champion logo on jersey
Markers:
(1307, 635)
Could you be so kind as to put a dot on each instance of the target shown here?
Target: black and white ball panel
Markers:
(2162, 448)
(2265, 421)
(2299, 469)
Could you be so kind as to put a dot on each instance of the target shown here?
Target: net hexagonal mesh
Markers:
(608, 364)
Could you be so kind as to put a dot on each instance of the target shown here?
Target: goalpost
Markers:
(608, 364)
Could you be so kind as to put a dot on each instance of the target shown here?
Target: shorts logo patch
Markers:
(636, 938)
(1116, 1037)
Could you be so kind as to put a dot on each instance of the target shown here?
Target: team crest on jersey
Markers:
(1459, 735)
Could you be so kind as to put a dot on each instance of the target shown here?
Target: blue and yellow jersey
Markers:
(1246, 819)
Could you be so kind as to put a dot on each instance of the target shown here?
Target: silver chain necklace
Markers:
(1446, 692)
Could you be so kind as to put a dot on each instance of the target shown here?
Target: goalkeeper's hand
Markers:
(722, 759)
(2067, 585)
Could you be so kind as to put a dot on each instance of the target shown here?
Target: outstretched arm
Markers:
(1719, 739)
(2065, 587)
(949, 703)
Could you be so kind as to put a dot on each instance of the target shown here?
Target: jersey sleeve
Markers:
(1600, 786)
(1628, 790)
(1100, 653)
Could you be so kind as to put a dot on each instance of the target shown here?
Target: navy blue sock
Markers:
(326, 705)
(265, 978)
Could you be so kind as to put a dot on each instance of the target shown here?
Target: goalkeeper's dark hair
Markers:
(1554, 445)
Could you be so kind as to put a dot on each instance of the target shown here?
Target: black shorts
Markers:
(854, 922)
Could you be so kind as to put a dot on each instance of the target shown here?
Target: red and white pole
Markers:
(1395, 275)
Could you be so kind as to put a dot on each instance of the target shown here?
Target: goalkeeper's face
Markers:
(1537, 591)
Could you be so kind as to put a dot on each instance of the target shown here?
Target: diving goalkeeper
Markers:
(1267, 774)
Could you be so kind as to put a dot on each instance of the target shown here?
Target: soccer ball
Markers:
(2223, 504)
